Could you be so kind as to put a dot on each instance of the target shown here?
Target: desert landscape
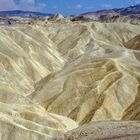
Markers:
(70, 78)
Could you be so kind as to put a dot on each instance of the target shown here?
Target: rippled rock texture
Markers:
(56, 76)
(110, 130)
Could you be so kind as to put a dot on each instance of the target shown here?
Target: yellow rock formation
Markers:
(56, 76)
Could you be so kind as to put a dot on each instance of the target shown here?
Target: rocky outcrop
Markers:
(56, 17)
(112, 130)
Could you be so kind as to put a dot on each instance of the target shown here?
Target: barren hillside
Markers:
(57, 76)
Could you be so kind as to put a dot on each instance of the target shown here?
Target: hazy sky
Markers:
(65, 7)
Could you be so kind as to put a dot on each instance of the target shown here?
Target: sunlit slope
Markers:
(83, 71)
(26, 56)
(100, 79)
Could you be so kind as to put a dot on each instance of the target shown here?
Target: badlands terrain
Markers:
(64, 80)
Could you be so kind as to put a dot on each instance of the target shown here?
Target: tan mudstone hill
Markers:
(134, 43)
(54, 72)
(100, 80)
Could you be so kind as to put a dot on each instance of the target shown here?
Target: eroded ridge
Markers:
(57, 76)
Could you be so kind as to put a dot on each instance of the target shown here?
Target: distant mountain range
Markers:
(24, 14)
(128, 11)
(132, 10)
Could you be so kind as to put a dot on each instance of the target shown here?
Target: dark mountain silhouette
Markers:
(24, 13)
